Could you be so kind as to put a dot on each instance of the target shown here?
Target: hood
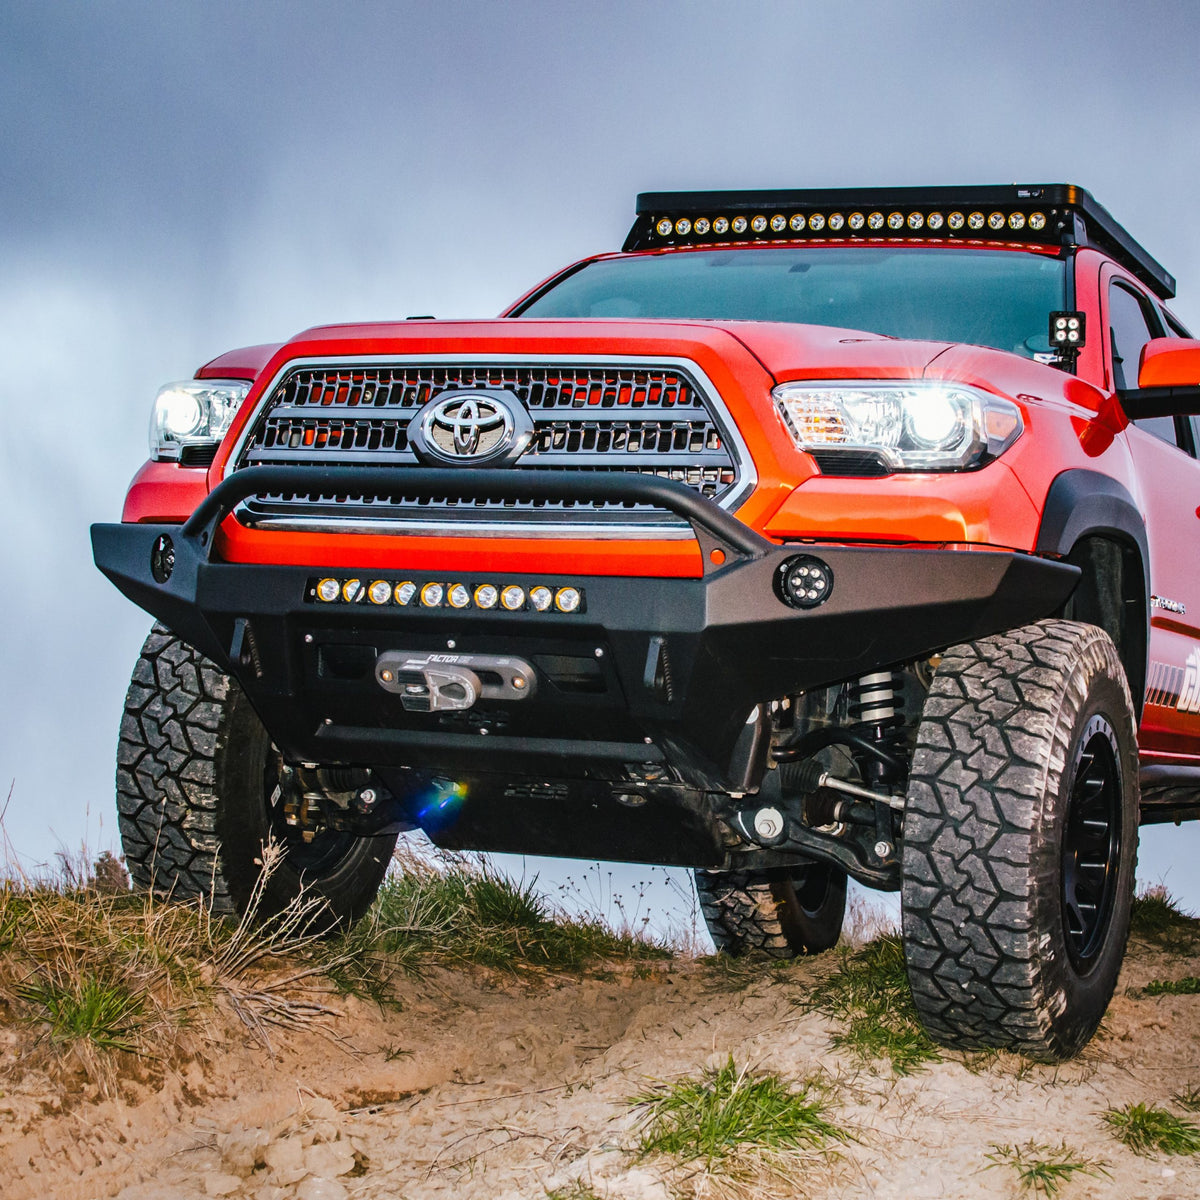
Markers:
(245, 363)
(785, 351)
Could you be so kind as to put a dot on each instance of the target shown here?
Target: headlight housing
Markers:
(194, 412)
(915, 425)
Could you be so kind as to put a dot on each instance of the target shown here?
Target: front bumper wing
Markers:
(674, 667)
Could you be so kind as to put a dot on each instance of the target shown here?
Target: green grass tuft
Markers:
(1157, 918)
(1043, 1170)
(725, 1112)
(869, 994)
(1146, 1129)
(1189, 1098)
(452, 910)
(84, 1008)
(1189, 985)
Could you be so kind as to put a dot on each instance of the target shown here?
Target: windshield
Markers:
(984, 297)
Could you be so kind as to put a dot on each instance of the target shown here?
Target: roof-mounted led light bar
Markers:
(1039, 214)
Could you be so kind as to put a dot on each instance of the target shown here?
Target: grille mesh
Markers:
(651, 420)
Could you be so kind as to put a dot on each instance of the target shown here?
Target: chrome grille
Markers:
(651, 419)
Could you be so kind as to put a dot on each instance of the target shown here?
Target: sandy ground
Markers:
(485, 1087)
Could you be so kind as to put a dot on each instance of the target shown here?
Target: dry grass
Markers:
(96, 972)
(117, 983)
(866, 920)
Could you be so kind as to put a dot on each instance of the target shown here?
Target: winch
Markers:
(434, 682)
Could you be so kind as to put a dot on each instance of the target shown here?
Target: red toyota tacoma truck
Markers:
(816, 534)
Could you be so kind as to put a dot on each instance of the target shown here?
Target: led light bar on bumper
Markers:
(917, 425)
(408, 593)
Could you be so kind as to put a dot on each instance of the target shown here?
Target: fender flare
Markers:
(1082, 503)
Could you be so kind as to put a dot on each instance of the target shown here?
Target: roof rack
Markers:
(1039, 214)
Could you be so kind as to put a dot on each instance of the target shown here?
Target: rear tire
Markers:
(783, 912)
(1020, 839)
(195, 790)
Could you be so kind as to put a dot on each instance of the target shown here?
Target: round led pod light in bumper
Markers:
(567, 599)
(803, 581)
(162, 558)
(380, 592)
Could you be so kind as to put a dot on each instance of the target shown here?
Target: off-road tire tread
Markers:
(748, 912)
(742, 913)
(992, 740)
(173, 735)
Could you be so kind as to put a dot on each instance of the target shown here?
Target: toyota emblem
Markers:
(471, 428)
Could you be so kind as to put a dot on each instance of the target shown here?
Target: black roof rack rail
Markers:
(1038, 213)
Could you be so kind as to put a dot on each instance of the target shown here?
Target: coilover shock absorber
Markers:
(873, 703)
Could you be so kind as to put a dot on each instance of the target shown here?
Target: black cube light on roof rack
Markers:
(1057, 214)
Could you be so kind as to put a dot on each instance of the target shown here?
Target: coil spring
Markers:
(874, 699)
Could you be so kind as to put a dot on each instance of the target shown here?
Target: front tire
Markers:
(783, 912)
(1020, 840)
(196, 778)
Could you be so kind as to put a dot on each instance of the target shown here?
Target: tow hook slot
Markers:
(453, 682)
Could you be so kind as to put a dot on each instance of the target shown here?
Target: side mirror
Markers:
(1168, 380)
(1170, 362)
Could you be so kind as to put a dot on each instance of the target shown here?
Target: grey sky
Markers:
(177, 179)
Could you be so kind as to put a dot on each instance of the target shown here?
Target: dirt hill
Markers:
(477, 1082)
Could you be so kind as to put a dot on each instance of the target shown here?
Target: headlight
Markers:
(196, 412)
(923, 425)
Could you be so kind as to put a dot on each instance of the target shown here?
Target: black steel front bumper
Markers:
(656, 678)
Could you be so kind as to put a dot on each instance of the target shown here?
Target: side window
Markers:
(1131, 325)
(1174, 329)
(1130, 329)
(1175, 431)
(1162, 428)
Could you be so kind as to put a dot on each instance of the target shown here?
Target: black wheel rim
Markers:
(1091, 847)
(812, 884)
